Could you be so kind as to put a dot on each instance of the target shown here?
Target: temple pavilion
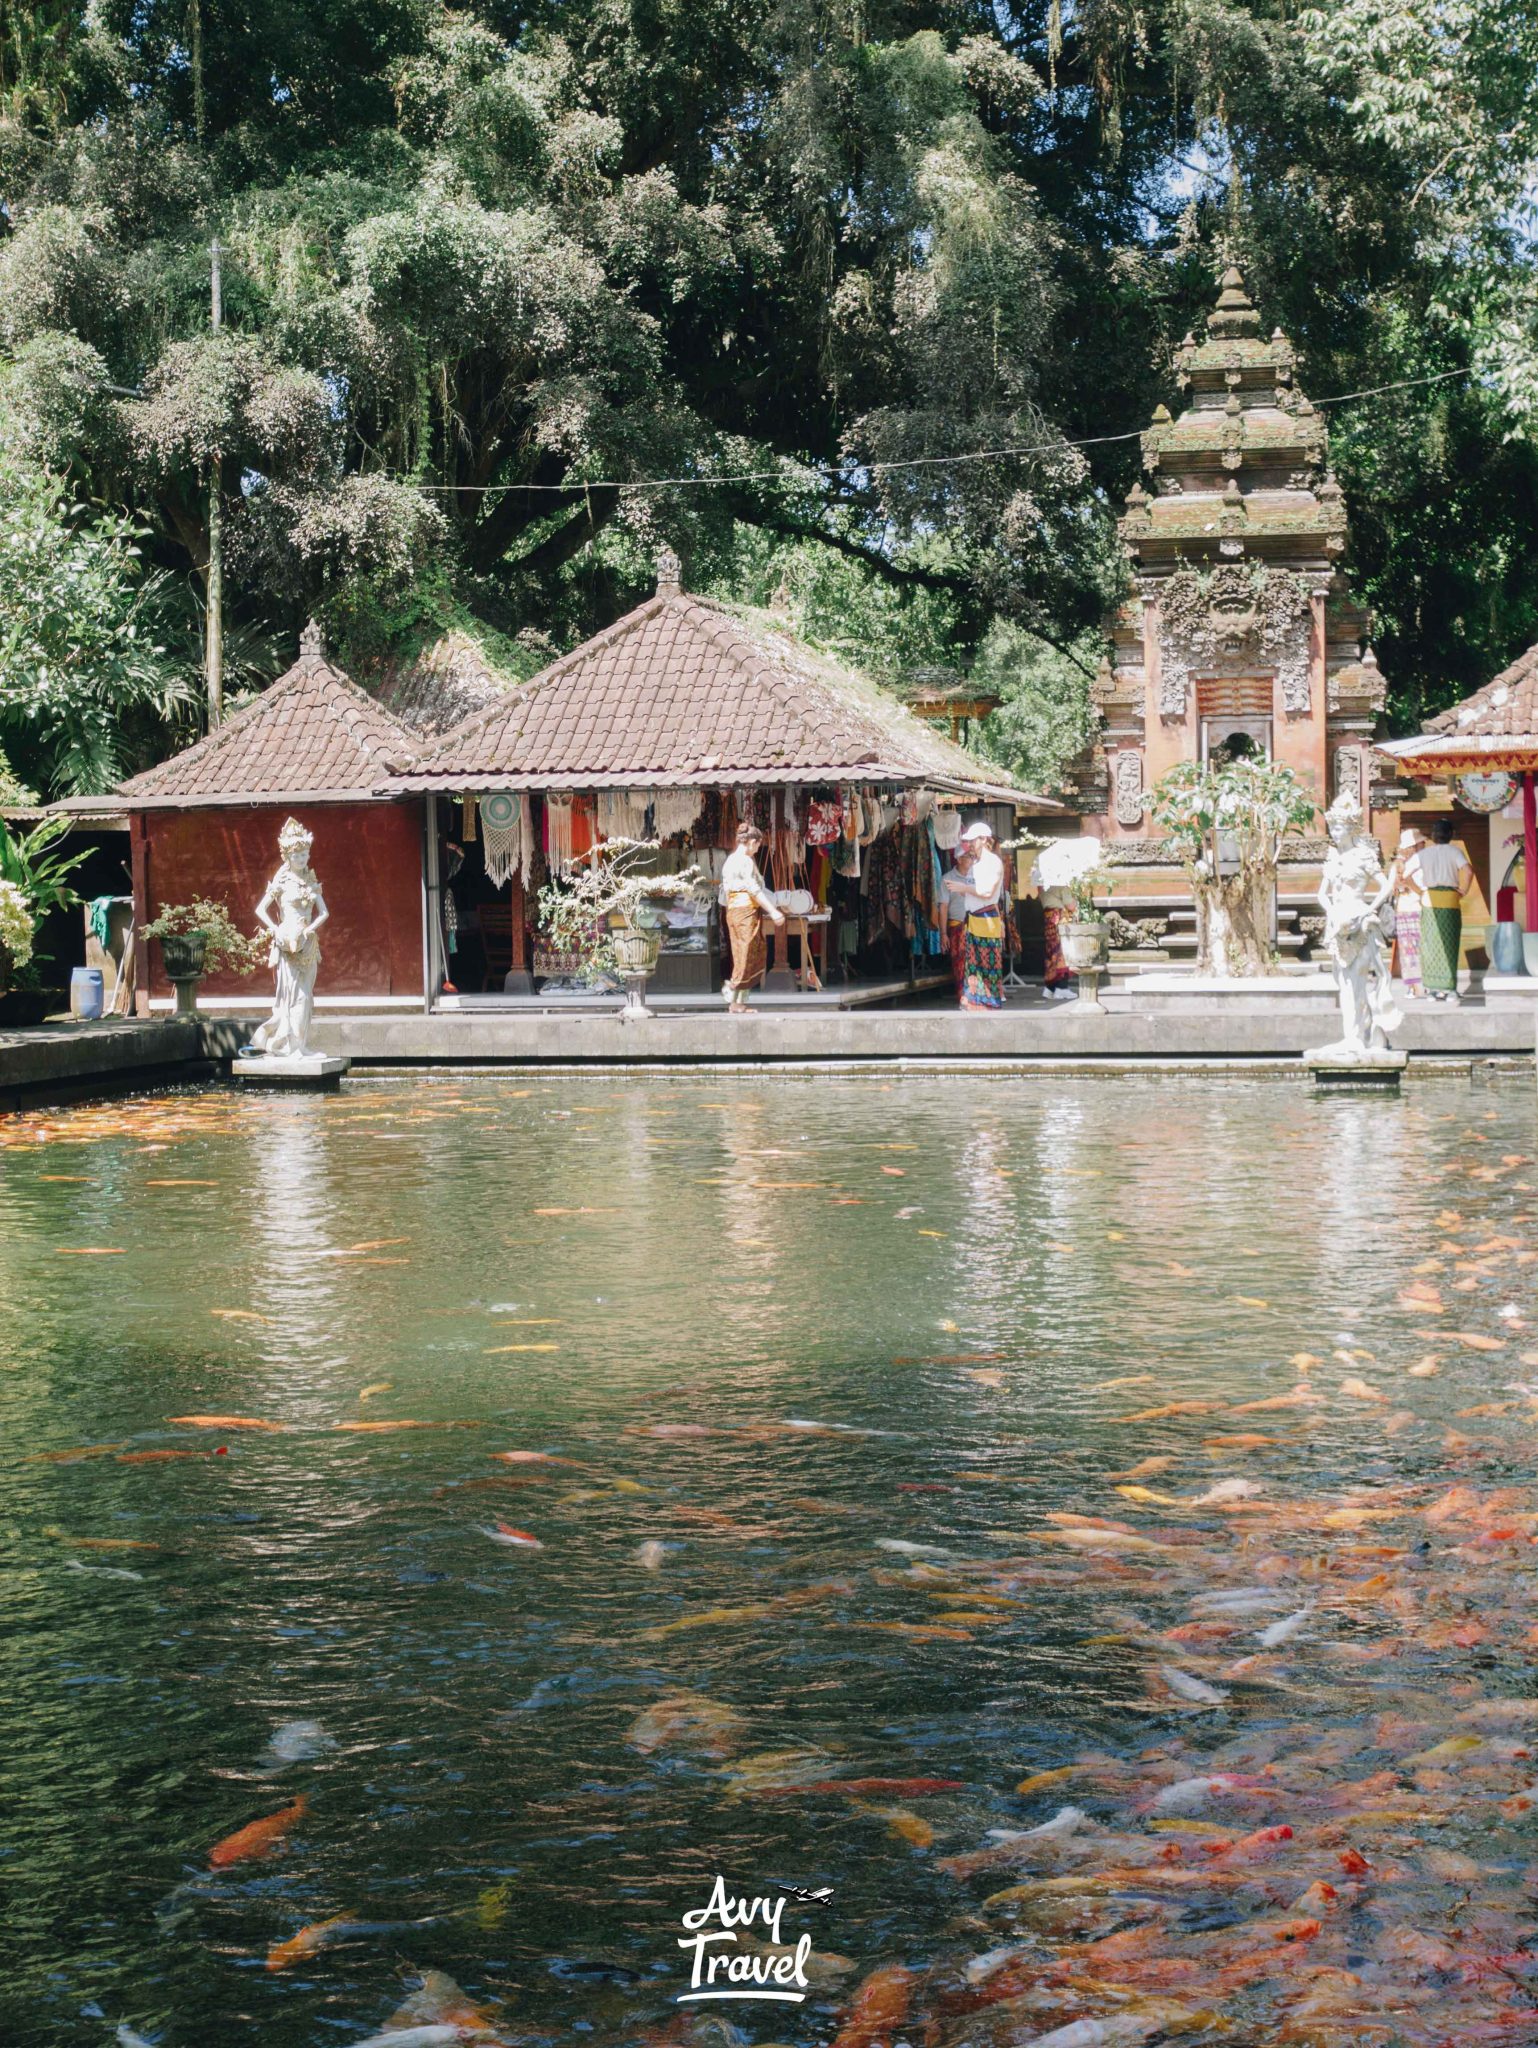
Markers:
(1481, 759)
(1238, 629)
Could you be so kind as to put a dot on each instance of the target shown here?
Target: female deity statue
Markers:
(1352, 893)
(294, 895)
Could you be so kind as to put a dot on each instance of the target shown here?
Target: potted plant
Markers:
(1079, 866)
(604, 915)
(199, 938)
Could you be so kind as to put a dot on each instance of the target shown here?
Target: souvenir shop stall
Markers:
(673, 725)
(856, 871)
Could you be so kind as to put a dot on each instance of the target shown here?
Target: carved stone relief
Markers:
(1129, 788)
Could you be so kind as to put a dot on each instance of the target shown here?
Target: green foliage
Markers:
(29, 862)
(16, 928)
(1046, 717)
(229, 950)
(1250, 804)
(79, 661)
(484, 267)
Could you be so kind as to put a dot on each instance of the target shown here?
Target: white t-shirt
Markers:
(985, 884)
(740, 877)
(1439, 867)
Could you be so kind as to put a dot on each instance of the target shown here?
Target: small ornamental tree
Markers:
(1225, 824)
(577, 911)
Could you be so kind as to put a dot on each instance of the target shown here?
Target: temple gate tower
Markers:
(1238, 628)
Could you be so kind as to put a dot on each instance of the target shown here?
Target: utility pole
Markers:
(213, 653)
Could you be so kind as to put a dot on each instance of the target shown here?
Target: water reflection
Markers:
(769, 1328)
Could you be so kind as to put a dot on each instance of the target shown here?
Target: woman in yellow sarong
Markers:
(748, 903)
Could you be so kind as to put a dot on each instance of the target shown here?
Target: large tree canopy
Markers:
(491, 271)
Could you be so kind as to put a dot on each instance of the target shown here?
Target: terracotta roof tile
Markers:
(1507, 705)
(313, 734)
(685, 689)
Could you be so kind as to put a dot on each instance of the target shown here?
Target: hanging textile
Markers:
(675, 810)
(558, 832)
(622, 813)
(947, 827)
(467, 814)
(824, 822)
(501, 835)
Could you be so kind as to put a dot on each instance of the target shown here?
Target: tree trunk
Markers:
(1233, 924)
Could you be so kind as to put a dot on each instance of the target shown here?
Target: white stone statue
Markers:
(1353, 891)
(294, 895)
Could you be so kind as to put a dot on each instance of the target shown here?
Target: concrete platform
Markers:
(1028, 1030)
(316, 1071)
(1367, 1072)
(62, 1062)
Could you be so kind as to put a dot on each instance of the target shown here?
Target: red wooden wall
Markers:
(368, 858)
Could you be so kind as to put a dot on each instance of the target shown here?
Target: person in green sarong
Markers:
(1444, 874)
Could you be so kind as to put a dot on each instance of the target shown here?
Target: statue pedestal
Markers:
(315, 1070)
(1335, 1070)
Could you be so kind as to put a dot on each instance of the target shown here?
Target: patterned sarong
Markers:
(1407, 930)
(1441, 934)
(745, 927)
(1057, 969)
(956, 947)
(982, 973)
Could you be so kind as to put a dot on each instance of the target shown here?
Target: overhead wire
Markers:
(803, 473)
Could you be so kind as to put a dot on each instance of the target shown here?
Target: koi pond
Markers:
(1070, 1545)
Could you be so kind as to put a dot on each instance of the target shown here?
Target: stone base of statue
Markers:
(1357, 1068)
(320, 1070)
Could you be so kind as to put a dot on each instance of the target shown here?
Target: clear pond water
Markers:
(809, 1365)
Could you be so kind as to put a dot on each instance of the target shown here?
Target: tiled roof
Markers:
(1507, 705)
(446, 683)
(1495, 728)
(687, 690)
(313, 735)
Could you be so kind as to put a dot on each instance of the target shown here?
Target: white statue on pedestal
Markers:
(294, 894)
(1352, 893)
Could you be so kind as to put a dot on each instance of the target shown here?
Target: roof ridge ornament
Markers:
(312, 642)
(1234, 314)
(670, 572)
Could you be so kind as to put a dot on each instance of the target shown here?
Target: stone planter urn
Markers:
(1083, 940)
(635, 954)
(184, 955)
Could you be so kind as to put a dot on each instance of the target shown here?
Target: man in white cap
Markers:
(1409, 898)
(981, 893)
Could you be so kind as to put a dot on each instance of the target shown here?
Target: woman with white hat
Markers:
(980, 893)
(1409, 897)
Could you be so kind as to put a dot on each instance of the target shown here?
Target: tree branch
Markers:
(903, 575)
(596, 510)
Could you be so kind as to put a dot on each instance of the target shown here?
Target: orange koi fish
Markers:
(257, 1836)
(226, 1422)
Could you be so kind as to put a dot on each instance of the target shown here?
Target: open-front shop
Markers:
(680, 722)
(856, 871)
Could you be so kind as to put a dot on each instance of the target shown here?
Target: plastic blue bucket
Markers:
(86, 993)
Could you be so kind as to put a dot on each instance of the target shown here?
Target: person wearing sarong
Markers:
(979, 895)
(1058, 978)
(748, 903)
(1409, 901)
(1446, 877)
(954, 916)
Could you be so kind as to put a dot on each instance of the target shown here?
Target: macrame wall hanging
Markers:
(503, 836)
(675, 810)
